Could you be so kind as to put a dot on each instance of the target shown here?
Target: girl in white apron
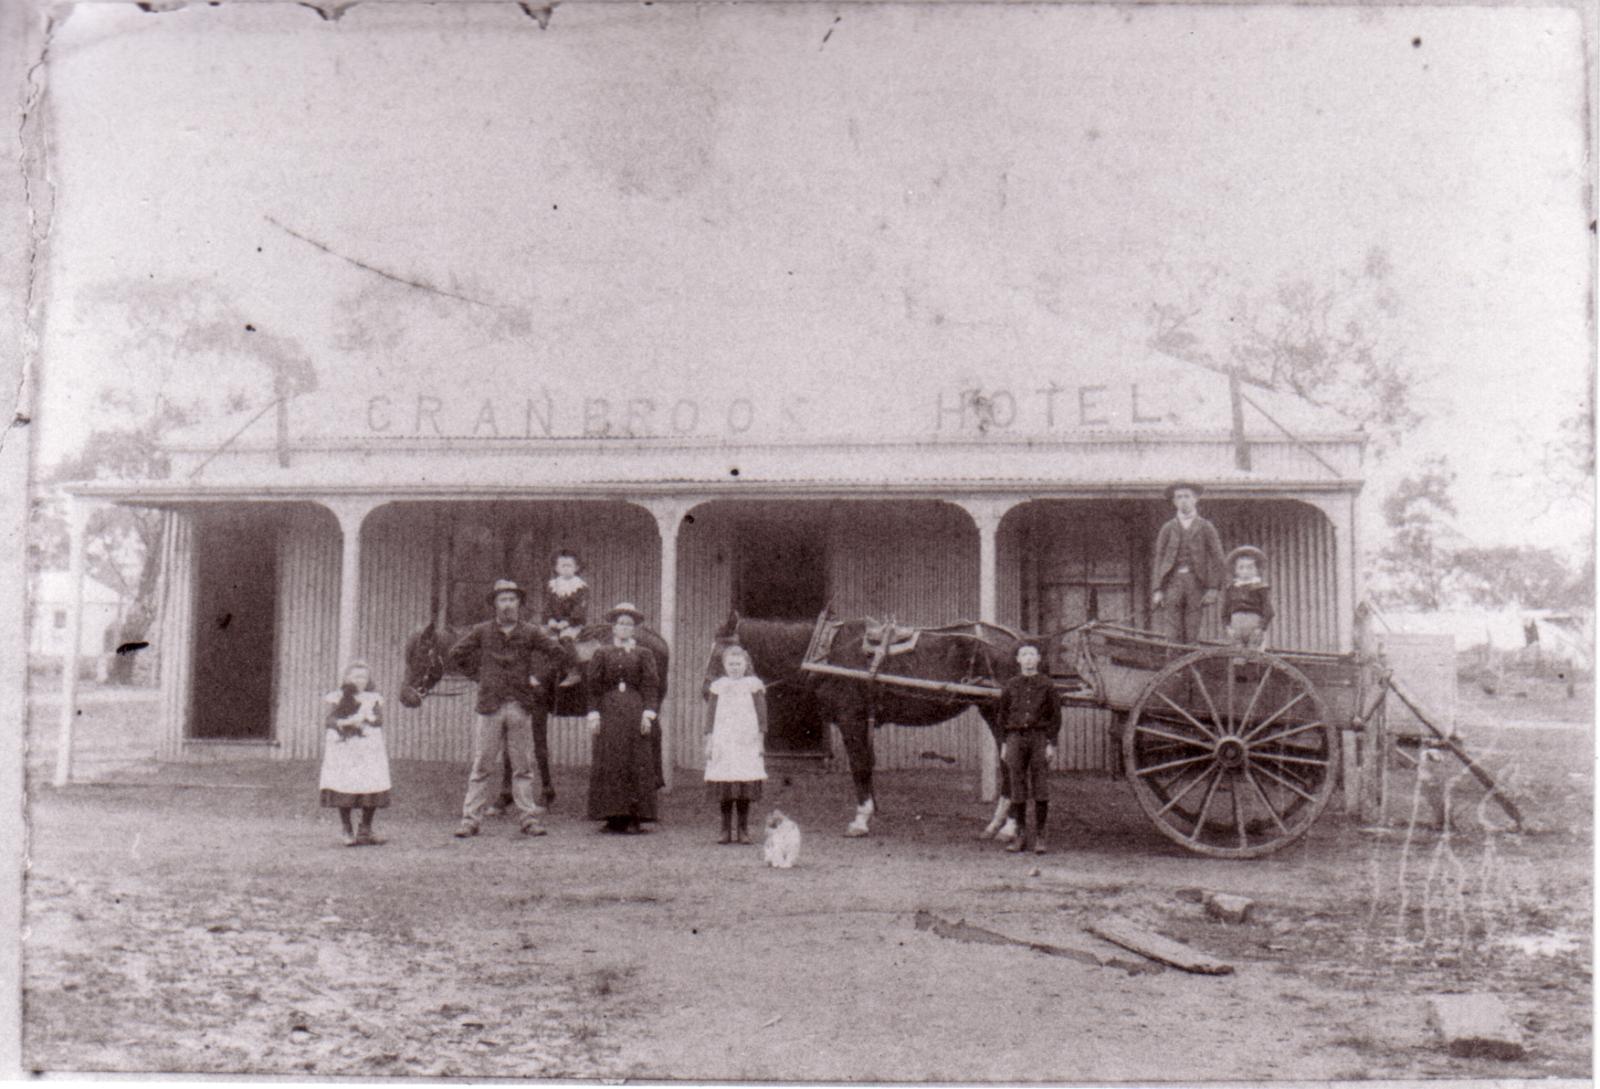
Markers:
(735, 737)
(355, 762)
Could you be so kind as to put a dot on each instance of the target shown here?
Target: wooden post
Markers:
(1241, 446)
(351, 514)
(77, 523)
(668, 513)
(986, 514)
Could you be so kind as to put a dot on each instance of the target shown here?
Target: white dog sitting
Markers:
(781, 847)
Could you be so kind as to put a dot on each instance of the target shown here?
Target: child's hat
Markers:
(1175, 485)
(625, 608)
(506, 586)
(1247, 550)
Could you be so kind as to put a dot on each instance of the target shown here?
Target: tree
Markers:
(1517, 575)
(122, 545)
(171, 332)
(1323, 342)
(1414, 569)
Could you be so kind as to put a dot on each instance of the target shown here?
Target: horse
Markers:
(427, 663)
(970, 653)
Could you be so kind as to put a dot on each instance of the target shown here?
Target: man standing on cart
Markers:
(1188, 570)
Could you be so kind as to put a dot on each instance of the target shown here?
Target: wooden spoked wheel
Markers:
(1230, 753)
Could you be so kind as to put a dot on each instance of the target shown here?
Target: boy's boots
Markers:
(1041, 814)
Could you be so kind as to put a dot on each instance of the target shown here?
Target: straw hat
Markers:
(1198, 490)
(1247, 550)
(625, 608)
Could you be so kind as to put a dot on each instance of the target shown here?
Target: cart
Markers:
(1232, 753)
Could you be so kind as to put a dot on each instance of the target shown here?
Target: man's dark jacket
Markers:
(504, 661)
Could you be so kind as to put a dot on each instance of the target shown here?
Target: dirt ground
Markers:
(207, 919)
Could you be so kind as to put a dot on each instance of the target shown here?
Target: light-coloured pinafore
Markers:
(736, 732)
(356, 767)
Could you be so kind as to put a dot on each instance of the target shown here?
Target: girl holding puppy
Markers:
(355, 762)
(736, 726)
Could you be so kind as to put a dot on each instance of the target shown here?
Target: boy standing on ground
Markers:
(1188, 570)
(1030, 716)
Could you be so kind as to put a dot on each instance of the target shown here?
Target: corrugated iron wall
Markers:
(1301, 567)
(175, 629)
(706, 564)
(915, 561)
(309, 544)
(621, 553)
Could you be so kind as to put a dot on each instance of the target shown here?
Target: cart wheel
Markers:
(1230, 753)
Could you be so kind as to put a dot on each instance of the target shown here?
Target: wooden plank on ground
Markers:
(963, 931)
(1477, 1025)
(1119, 931)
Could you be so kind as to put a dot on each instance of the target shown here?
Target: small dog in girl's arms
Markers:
(781, 847)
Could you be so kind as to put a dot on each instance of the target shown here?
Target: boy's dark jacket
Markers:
(1030, 703)
(1252, 598)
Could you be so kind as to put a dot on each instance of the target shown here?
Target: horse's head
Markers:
(425, 662)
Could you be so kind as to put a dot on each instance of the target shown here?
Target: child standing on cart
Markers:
(1030, 716)
(1246, 605)
(1188, 568)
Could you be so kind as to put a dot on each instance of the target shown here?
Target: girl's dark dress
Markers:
(622, 684)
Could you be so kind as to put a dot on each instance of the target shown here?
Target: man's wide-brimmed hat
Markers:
(1175, 485)
(1247, 550)
(625, 608)
(506, 586)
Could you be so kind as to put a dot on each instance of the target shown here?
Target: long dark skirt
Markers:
(622, 773)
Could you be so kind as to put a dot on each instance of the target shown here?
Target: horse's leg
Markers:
(541, 756)
(1000, 826)
(857, 736)
(505, 802)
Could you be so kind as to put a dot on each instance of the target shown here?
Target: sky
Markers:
(833, 213)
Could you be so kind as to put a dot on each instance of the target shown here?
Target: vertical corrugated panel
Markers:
(397, 545)
(1301, 567)
(621, 553)
(308, 629)
(705, 594)
(176, 625)
(918, 563)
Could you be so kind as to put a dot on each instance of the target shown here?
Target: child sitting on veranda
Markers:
(355, 762)
(1246, 605)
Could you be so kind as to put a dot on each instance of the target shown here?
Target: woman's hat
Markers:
(1247, 550)
(625, 608)
(506, 586)
(1173, 487)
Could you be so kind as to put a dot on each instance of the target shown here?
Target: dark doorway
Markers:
(782, 574)
(235, 621)
(783, 569)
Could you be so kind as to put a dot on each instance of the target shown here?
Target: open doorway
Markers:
(782, 574)
(783, 569)
(235, 623)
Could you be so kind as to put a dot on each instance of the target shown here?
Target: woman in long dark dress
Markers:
(624, 695)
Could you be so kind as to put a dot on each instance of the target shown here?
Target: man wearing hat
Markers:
(1188, 569)
(517, 666)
